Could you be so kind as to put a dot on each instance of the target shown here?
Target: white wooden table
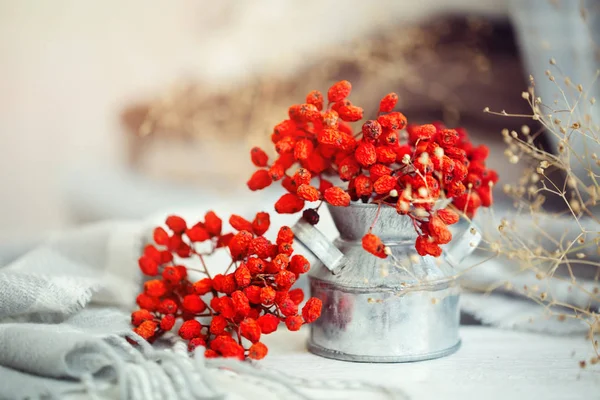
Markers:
(491, 364)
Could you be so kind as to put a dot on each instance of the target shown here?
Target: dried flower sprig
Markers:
(225, 313)
(557, 195)
(389, 163)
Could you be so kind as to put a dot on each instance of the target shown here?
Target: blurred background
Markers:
(118, 109)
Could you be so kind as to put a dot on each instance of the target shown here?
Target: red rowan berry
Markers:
(294, 322)
(485, 195)
(155, 288)
(232, 349)
(190, 329)
(154, 253)
(388, 102)
(165, 257)
(259, 157)
(301, 177)
(209, 353)
(304, 113)
(257, 351)
(350, 113)
(238, 246)
(455, 153)
(218, 325)
(268, 323)
(239, 223)
(331, 137)
(385, 155)
(422, 132)
(285, 128)
(250, 329)
(488, 176)
(193, 304)
(390, 138)
(285, 235)
(312, 310)
(426, 246)
(330, 119)
(288, 184)
(315, 98)
(281, 261)
(297, 295)
(167, 322)
(285, 280)
(139, 316)
(215, 303)
(339, 91)
(363, 186)
(285, 248)
(260, 180)
(203, 286)
(378, 170)
(226, 307)
(220, 342)
(197, 234)
(242, 276)
(374, 245)
(336, 196)
(308, 192)
(460, 171)
(365, 154)
(299, 264)
(473, 180)
(253, 294)
(241, 305)
(195, 343)
(172, 275)
(184, 250)
(448, 137)
(217, 282)
(479, 153)
(228, 286)
(176, 224)
(303, 149)
(267, 295)
(256, 265)
(288, 307)
(261, 223)
(393, 121)
(455, 189)
(289, 204)
(448, 216)
(148, 266)
(371, 130)
(260, 246)
(146, 329)
(147, 302)
(384, 184)
(167, 306)
(160, 236)
(285, 145)
(439, 230)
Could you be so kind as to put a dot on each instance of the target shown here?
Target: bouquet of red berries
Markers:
(225, 313)
(386, 161)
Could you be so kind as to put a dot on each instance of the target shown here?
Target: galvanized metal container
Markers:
(404, 308)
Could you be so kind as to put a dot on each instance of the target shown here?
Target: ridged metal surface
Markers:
(403, 308)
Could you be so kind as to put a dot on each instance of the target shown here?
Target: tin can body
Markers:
(399, 309)
(385, 326)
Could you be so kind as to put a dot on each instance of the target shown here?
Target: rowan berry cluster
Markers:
(386, 161)
(225, 314)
